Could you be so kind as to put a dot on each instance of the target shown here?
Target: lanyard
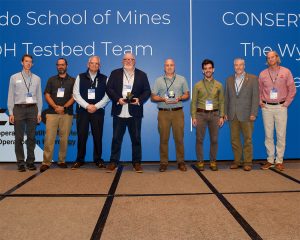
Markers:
(27, 86)
(128, 79)
(208, 92)
(274, 80)
(172, 81)
(238, 87)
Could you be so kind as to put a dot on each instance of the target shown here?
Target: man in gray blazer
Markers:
(241, 107)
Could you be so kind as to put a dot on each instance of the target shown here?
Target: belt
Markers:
(273, 103)
(170, 109)
(25, 105)
(206, 111)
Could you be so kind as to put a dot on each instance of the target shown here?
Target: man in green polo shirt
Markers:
(207, 110)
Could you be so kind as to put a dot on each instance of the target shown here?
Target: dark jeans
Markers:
(96, 120)
(119, 127)
(25, 121)
(211, 121)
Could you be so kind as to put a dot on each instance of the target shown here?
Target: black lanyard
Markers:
(27, 86)
(172, 81)
(274, 80)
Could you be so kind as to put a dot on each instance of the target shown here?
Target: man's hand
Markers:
(194, 121)
(122, 101)
(252, 118)
(91, 108)
(59, 109)
(12, 119)
(135, 101)
(221, 121)
(39, 118)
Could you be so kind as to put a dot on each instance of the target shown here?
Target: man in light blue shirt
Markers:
(169, 91)
(25, 105)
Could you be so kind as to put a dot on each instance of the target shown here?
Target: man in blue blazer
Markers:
(129, 89)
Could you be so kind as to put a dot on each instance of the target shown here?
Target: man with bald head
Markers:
(169, 91)
(90, 94)
(128, 88)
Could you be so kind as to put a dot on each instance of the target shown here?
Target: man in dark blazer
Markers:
(241, 107)
(129, 89)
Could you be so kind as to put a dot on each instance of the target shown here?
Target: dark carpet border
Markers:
(238, 217)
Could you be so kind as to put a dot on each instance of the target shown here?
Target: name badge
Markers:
(209, 105)
(273, 93)
(29, 98)
(127, 87)
(60, 93)
(91, 93)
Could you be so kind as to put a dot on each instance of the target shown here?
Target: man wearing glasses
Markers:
(59, 96)
(89, 93)
(129, 89)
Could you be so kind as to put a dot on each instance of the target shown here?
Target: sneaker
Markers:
(21, 168)
(182, 167)
(77, 165)
(100, 165)
(279, 166)
(137, 167)
(163, 167)
(111, 167)
(43, 168)
(31, 167)
(62, 165)
(247, 168)
(200, 166)
(266, 166)
(213, 166)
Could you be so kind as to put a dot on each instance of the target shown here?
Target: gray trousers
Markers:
(25, 122)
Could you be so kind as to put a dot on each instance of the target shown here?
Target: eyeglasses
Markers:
(94, 63)
(128, 59)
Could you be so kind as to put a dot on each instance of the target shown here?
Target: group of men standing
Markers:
(128, 88)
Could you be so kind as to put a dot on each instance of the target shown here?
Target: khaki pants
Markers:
(61, 124)
(275, 116)
(166, 121)
(236, 129)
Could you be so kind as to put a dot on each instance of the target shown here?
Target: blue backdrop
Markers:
(187, 31)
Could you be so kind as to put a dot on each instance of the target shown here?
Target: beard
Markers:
(61, 71)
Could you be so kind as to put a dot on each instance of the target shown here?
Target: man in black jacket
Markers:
(129, 89)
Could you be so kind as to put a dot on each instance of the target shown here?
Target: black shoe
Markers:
(62, 165)
(100, 165)
(43, 168)
(21, 168)
(31, 167)
(77, 165)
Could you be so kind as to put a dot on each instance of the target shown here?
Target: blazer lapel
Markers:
(245, 82)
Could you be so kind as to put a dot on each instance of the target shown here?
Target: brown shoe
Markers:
(138, 168)
(266, 166)
(234, 166)
(111, 167)
(279, 166)
(182, 167)
(247, 168)
(213, 166)
(163, 167)
(43, 168)
(62, 165)
(77, 165)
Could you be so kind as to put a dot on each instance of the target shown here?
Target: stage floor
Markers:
(89, 203)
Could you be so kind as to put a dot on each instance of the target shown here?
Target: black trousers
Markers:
(25, 121)
(96, 120)
(119, 127)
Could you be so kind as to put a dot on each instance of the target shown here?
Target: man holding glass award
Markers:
(129, 89)
(169, 91)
